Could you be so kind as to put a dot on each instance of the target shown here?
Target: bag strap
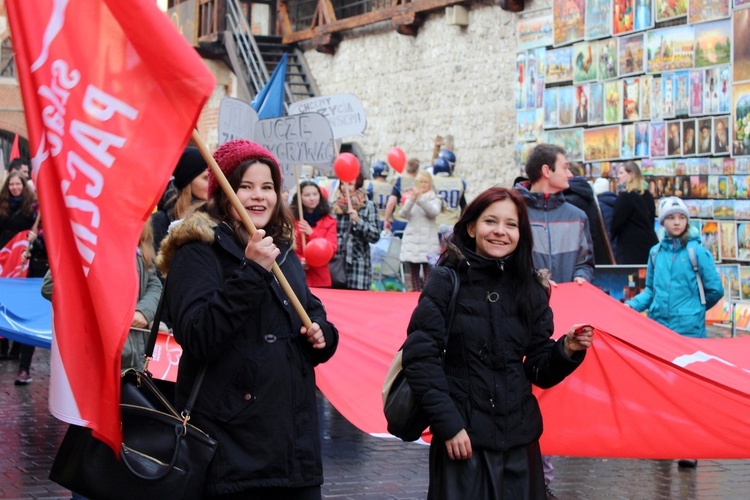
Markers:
(694, 262)
(451, 308)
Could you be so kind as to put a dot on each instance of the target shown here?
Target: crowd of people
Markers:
(508, 249)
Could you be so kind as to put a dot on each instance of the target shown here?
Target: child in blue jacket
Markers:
(672, 295)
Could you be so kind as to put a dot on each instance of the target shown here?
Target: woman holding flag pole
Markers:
(234, 312)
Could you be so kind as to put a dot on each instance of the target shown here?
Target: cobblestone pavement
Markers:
(356, 465)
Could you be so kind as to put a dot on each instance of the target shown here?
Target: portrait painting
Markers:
(688, 138)
(597, 19)
(741, 53)
(585, 57)
(630, 54)
(700, 11)
(674, 138)
(602, 143)
(682, 93)
(670, 48)
(535, 29)
(713, 43)
(704, 131)
(582, 104)
(570, 20)
(596, 103)
(670, 9)
(658, 136)
(696, 92)
(631, 99)
(721, 144)
(612, 101)
(560, 65)
(550, 108)
(607, 58)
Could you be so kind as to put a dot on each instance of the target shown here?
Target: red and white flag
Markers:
(12, 263)
(111, 92)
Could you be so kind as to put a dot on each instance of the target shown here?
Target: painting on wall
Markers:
(642, 142)
(536, 62)
(670, 9)
(535, 29)
(571, 140)
(566, 106)
(713, 43)
(707, 10)
(721, 145)
(668, 93)
(688, 138)
(631, 99)
(711, 91)
(602, 143)
(658, 136)
(627, 150)
(582, 104)
(728, 239)
(682, 92)
(696, 92)
(670, 48)
(550, 108)
(585, 57)
(705, 131)
(645, 94)
(607, 58)
(623, 16)
(560, 65)
(630, 54)
(740, 35)
(520, 79)
(612, 101)
(570, 20)
(596, 103)
(725, 89)
(529, 124)
(674, 138)
(657, 99)
(644, 18)
(597, 19)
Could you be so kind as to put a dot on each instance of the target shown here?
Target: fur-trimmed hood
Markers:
(197, 226)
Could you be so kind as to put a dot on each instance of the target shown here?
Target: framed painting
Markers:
(741, 53)
(631, 99)
(668, 95)
(711, 91)
(658, 137)
(536, 61)
(682, 93)
(670, 48)
(645, 93)
(585, 58)
(644, 14)
(550, 108)
(707, 10)
(570, 139)
(670, 9)
(705, 131)
(566, 106)
(696, 92)
(657, 99)
(596, 103)
(742, 210)
(721, 144)
(612, 101)
(725, 89)
(713, 43)
(529, 124)
(602, 143)
(627, 149)
(739, 187)
(642, 143)
(710, 238)
(607, 58)
(630, 54)
(559, 65)
(570, 21)
(597, 19)
(521, 80)
(535, 29)
(623, 16)
(728, 238)
(674, 138)
(741, 3)
(740, 118)
(582, 105)
(688, 138)
(743, 241)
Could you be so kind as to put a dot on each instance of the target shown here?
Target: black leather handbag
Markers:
(405, 416)
(162, 455)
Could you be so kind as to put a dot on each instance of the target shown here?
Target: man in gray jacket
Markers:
(562, 241)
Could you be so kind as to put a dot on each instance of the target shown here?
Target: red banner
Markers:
(111, 93)
(642, 392)
(12, 264)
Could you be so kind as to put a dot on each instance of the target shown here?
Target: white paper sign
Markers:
(237, 120)
(343, 111)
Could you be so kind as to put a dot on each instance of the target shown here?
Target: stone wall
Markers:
(448, 80)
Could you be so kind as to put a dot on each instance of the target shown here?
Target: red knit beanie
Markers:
(231, 154)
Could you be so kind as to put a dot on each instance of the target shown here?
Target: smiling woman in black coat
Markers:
(485, 420)
(230, 314)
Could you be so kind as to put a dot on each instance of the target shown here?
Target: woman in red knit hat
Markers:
(231, 316)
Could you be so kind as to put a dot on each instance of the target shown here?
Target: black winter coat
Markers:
(582, 196)
(258, 399)
(633, 226)
(492, 360)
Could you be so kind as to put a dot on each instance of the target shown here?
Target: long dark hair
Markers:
(323, 207)
(281, 224)
(27, 205)
(519, 265)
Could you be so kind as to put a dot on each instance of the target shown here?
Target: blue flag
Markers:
(269, 103)
(25, 316)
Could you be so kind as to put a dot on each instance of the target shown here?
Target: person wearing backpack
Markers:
(681, 280)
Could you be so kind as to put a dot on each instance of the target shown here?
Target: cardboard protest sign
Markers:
(343, 111)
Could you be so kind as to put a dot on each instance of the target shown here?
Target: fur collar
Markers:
(197, 226)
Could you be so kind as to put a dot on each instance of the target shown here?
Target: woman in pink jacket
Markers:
(316, 222)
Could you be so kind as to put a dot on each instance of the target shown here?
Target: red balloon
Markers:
(397, 159)
(346, 166)
(324, 192)
(318, 252)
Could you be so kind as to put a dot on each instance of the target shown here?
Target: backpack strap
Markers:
(694, 262)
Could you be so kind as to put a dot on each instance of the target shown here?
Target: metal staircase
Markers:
(253, 59)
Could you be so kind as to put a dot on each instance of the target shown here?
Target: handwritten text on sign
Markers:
(343, 111)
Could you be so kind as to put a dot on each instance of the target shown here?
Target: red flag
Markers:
(15, 150)
(12, 264)
(111, 92)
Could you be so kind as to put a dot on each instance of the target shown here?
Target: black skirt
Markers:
(515, 474)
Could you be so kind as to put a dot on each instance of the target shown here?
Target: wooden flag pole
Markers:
(299, 206)
(224, 183)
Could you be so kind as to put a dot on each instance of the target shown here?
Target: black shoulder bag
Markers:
(405, 416)
(161, 456)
